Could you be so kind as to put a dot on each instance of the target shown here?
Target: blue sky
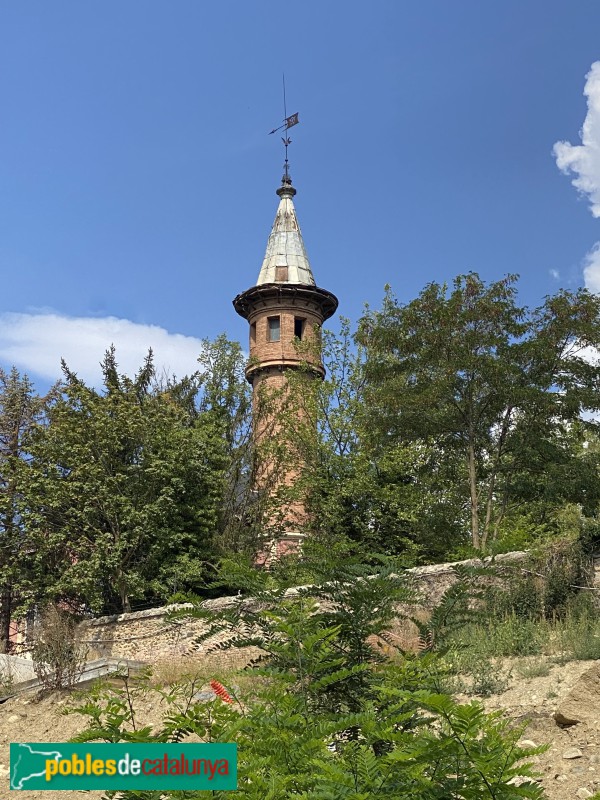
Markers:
(138, 178)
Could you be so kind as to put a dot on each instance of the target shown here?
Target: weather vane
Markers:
(288, 122)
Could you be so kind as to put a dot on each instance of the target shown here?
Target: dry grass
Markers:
(168, 671)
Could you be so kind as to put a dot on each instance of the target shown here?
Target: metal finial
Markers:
(288, 122)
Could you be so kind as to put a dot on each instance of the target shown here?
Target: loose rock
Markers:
(519, 780)
(582, 704)
(572, 752)
(527, 743)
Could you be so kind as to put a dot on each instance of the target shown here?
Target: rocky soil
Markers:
(570, 769)
(30, 719)
(25, 719)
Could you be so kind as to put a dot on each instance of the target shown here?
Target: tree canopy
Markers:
(122, 490)
(20, 409)
(500, 388)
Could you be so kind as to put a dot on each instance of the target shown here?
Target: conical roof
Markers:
(285, 260)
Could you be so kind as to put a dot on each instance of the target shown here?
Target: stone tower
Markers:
(285, 305)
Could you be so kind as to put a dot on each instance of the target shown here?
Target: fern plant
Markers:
(326, 717)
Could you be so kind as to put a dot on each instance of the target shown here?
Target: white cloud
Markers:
(554, 273)
(584, 160)
(36, 342)
(591, 269)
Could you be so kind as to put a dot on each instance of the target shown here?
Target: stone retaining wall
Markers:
(152, 637)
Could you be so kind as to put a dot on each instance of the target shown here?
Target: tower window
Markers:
(273, 331)
(253, 334)
(281, 274)
(299, 327)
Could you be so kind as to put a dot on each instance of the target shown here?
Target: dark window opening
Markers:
(253, 333)
(273, 331)
(299, 327)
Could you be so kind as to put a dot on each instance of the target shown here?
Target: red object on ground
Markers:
(221, 691)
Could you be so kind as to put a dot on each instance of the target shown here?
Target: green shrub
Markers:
(327, 717)
(512, 636)
(543, 587)
(515, 636)
(534, 669)
(488, 678)
(580, 638)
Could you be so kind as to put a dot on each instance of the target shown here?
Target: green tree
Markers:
(225, 397)
(121, 493)
(392, 497)
(495, 387)
(20, 409)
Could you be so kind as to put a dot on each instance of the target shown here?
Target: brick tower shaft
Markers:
(285, 307)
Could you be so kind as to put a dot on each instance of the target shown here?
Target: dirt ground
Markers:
(29, 719)
(535, 700)
(25, 719)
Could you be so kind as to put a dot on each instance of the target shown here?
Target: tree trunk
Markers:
(123, 594)
(489, 505)
(492, 481)
(126, 605)
(5, 614)
(474, 498)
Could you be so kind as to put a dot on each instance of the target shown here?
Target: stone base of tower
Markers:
(287, 544)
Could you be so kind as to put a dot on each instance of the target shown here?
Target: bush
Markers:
(534, 669)
(579, 638)
(58, 655)
(511, 636)
(544, 587)
(7, 678)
